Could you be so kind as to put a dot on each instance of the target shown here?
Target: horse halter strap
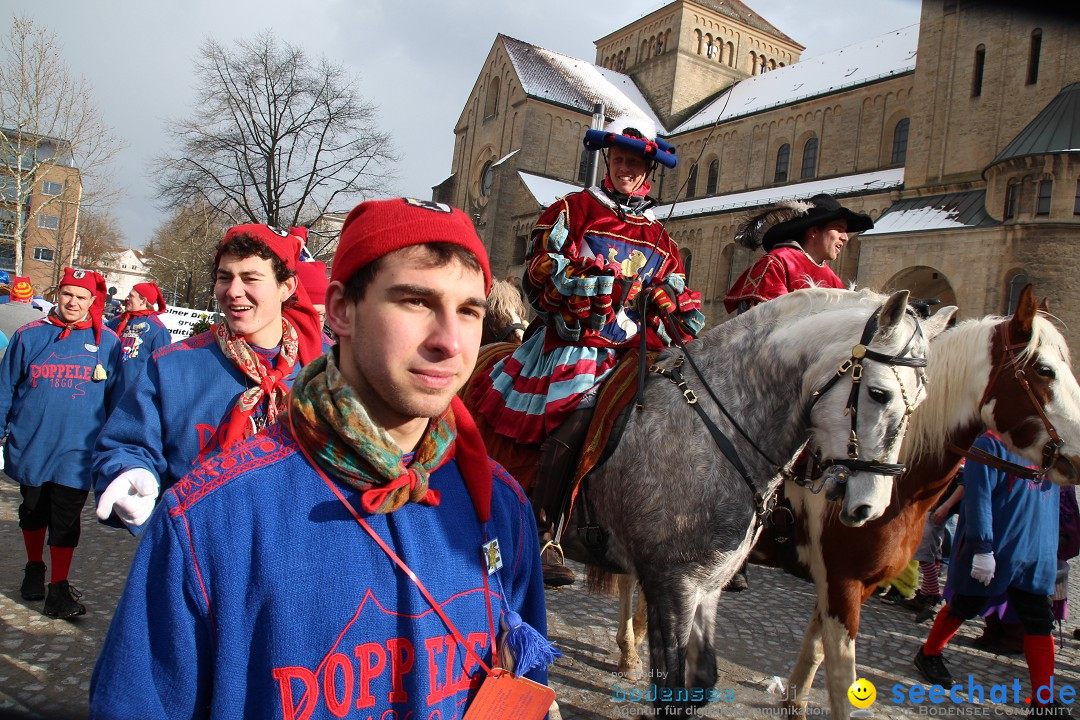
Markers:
(1051, 450)
(854, 364)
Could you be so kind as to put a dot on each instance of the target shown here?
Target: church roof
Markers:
(567, 81)
(874, 59)
(737, 11)
(952, 211)
(1056, 129)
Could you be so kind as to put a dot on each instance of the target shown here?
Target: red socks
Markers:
(34, 540)
(1039, 653)
(61, 562)
(945, 626)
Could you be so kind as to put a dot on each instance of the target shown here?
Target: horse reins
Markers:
(1051, 450)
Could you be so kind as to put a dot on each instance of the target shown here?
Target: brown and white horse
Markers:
(979, 370)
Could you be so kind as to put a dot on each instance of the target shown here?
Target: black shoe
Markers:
(932, 667)
(919, 602)
(892, 597)
(33, 584)
(63, 601)
(737, 583)
(554, 569)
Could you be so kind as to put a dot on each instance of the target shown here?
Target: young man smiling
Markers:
(360, 555)
(57, 381)
(200, 395)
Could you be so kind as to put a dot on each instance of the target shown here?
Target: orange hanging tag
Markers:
(505, 696)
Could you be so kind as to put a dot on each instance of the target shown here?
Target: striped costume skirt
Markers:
(529, 393)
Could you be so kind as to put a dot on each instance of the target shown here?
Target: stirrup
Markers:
(557, 548)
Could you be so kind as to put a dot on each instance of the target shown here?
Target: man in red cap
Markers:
(211, 391)
(57, 381)
(141, 331)
(366, 536)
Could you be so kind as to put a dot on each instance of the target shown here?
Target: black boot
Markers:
(63, 601)
(33, 584)
(554, 475)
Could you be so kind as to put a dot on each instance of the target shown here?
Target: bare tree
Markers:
(50, 128)
(180, 254)
(276, 137)
(100, 240)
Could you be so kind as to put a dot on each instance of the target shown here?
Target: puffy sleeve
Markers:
(766, 279)
(686, 317)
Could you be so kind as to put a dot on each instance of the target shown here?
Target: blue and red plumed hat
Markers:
(649, 144)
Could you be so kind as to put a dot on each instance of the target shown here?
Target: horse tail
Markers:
(601, 582)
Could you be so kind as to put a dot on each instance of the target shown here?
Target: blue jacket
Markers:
(142, 336)
(254, 593)
(1016, 519)
(174, 412)
(51, 407)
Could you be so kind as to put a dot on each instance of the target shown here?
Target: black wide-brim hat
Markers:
(820, 210)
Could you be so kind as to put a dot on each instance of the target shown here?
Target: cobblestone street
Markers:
(45, 664)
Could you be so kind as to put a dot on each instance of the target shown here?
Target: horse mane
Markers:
(504, 302)
(958, 369)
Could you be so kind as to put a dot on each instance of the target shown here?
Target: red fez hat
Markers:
(95, 283)
(301, 313)
(152, 294)
(22, 290)
(379, 227)
(312, 276)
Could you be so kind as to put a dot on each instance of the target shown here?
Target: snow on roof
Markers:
(881, 57)
(567, 81)
(935, 212)
(844, 185)
(504, 158)
(546, 190)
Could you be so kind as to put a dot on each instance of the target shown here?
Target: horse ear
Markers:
(892, 312)
(1044, 306)
(939, 321)
(1020, 324)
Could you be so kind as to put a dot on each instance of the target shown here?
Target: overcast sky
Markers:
(416, 60)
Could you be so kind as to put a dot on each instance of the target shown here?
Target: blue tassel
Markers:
(522, 648)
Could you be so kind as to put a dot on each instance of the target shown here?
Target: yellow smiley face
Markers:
(862, 693)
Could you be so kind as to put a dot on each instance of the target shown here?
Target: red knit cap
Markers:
(152, 294)
(22, 290)
(378, 227)
(303, 316)
(95, 283)
(312, 276)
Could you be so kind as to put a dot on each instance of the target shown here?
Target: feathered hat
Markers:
(789, 219)
(648, 144)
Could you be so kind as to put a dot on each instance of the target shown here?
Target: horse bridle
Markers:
(501, 335)
(764, 503)
(1051, 450)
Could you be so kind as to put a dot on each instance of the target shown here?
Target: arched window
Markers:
(1012, 194)
(583, 167)
(783, 159)
(899, 142)
(659, 44)
(1046, 189)
(691, 182)
(714, 177)
(809, 159)
(491, 103)
(1033, 56)
(753, 63)
(730, 54)
(619, 62)
(1015, 287)
(643, 51)
(698, 41)
(980, 66)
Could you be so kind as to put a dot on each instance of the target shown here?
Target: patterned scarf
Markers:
(68, 327)
(270, 383)
(125, 318)
(334, 427)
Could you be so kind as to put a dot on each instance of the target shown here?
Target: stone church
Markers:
(960, 136)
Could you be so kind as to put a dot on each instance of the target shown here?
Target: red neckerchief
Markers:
(68, 327)
(126, 316)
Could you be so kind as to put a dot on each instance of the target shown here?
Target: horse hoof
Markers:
(632, 670)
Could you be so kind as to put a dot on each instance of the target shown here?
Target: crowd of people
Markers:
(319, 523)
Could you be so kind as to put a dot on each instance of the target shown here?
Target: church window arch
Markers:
(713, 178)
(899, 141)
(1033, 56)
(691, 182)
(1046, 189)
(1012, 197)
(783, 161)
(809, 158)
(730, 54)
(980, 68)
(491, 102)
(699, 41)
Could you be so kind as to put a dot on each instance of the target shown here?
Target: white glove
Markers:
(132, 495)
(983, 566)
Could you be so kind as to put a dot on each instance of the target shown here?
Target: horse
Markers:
(680, 515)
(979, 370)
(506, 314)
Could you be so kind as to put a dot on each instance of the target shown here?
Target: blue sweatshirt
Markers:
(254, 593)
(51, 407)
(174, 413)
(1014, 518)
(142, 336)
